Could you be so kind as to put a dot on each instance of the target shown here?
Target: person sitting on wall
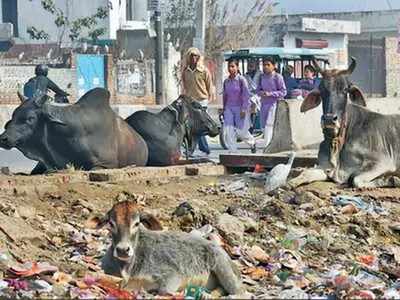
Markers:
(42, 83)
(310, 82)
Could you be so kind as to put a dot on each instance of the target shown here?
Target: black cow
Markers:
(360, 146)
(87, 135)
(165, 132)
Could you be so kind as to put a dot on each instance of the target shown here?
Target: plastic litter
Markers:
(193, 292)
(358, 202)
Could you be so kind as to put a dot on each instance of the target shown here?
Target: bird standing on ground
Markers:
(277, 177)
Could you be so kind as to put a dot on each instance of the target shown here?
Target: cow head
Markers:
(201, 122)
(195, 119)
(335, 92)
(124, 220)
(25, 121)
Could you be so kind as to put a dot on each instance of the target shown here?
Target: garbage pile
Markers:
(316, 242)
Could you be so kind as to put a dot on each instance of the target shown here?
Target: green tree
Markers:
(74, 28)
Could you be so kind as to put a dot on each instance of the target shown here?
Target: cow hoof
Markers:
(361, 184)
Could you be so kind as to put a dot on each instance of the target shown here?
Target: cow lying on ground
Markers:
(162, 261)
(164, 132)
(87, 135)
(360, 146)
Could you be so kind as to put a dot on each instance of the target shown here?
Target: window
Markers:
(10, 13)
(129, 10)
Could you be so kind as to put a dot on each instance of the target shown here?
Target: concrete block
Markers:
(192, 171)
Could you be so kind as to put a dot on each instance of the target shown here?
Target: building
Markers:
(311, 32)
(23, 14)
(375, 48)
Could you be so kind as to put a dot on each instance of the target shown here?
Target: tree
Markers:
(179, 21)
(74, 28)
(229, 26)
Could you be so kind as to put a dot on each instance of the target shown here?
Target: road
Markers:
(17, 162)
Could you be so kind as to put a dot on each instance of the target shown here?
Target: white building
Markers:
(24, 14)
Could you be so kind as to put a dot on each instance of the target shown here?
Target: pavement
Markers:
(17, 162)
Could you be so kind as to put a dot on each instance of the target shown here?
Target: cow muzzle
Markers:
(5, 142)
(123, 252)
(334, 133)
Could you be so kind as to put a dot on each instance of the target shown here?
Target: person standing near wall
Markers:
(271, 88)
(196, 84)
(236, 107)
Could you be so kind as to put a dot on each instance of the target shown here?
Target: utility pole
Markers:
(199, 39)
(155, 6)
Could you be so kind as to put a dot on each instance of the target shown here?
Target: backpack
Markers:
(29, 88)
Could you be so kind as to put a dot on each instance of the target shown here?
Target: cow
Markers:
(87, 135)
(166, 131)
(359, 146)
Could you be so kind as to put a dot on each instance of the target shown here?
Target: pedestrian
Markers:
(41, 83)
(196, 84)
(309, 83)
(236, 108)
(290, 82)
(271, 89)
(253, 77)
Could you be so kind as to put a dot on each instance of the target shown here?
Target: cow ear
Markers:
(150, 221)
(356, 96)
(21, 97)
(96, 222)
(55, 120)
(312, 100)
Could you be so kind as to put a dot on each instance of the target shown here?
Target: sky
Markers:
(320, 6)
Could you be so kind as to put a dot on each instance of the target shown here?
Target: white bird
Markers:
(48, 55)
(84, 47)
(277, 177)
(141, 55)
(21, 55)
(122, 53)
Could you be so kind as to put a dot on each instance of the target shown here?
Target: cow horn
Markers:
(317, 67)
(21, 97)
(352, 66)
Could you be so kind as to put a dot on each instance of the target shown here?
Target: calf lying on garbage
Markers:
(162, 261)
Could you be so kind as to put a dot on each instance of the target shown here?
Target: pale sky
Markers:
(318, 6)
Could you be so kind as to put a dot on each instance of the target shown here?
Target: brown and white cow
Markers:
(360, 146)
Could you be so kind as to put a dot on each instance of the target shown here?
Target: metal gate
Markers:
(370, 74)
(90, 71)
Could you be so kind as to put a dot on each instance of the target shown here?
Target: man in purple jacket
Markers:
(271, 88)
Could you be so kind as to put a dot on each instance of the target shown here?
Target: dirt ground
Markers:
(314, 248)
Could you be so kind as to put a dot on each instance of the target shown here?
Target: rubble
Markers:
(305, 243)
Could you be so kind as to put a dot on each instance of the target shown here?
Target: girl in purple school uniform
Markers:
(271, 88)
(236, 101)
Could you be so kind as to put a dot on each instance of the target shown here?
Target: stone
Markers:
(26, 212)
(232, 228)
(99, 177)
(250, 225)
(17, 229)
(192, 171)
(5, 171)
(307, 207)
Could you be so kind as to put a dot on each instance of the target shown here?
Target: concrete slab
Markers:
(18, 184)
(303, 159)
